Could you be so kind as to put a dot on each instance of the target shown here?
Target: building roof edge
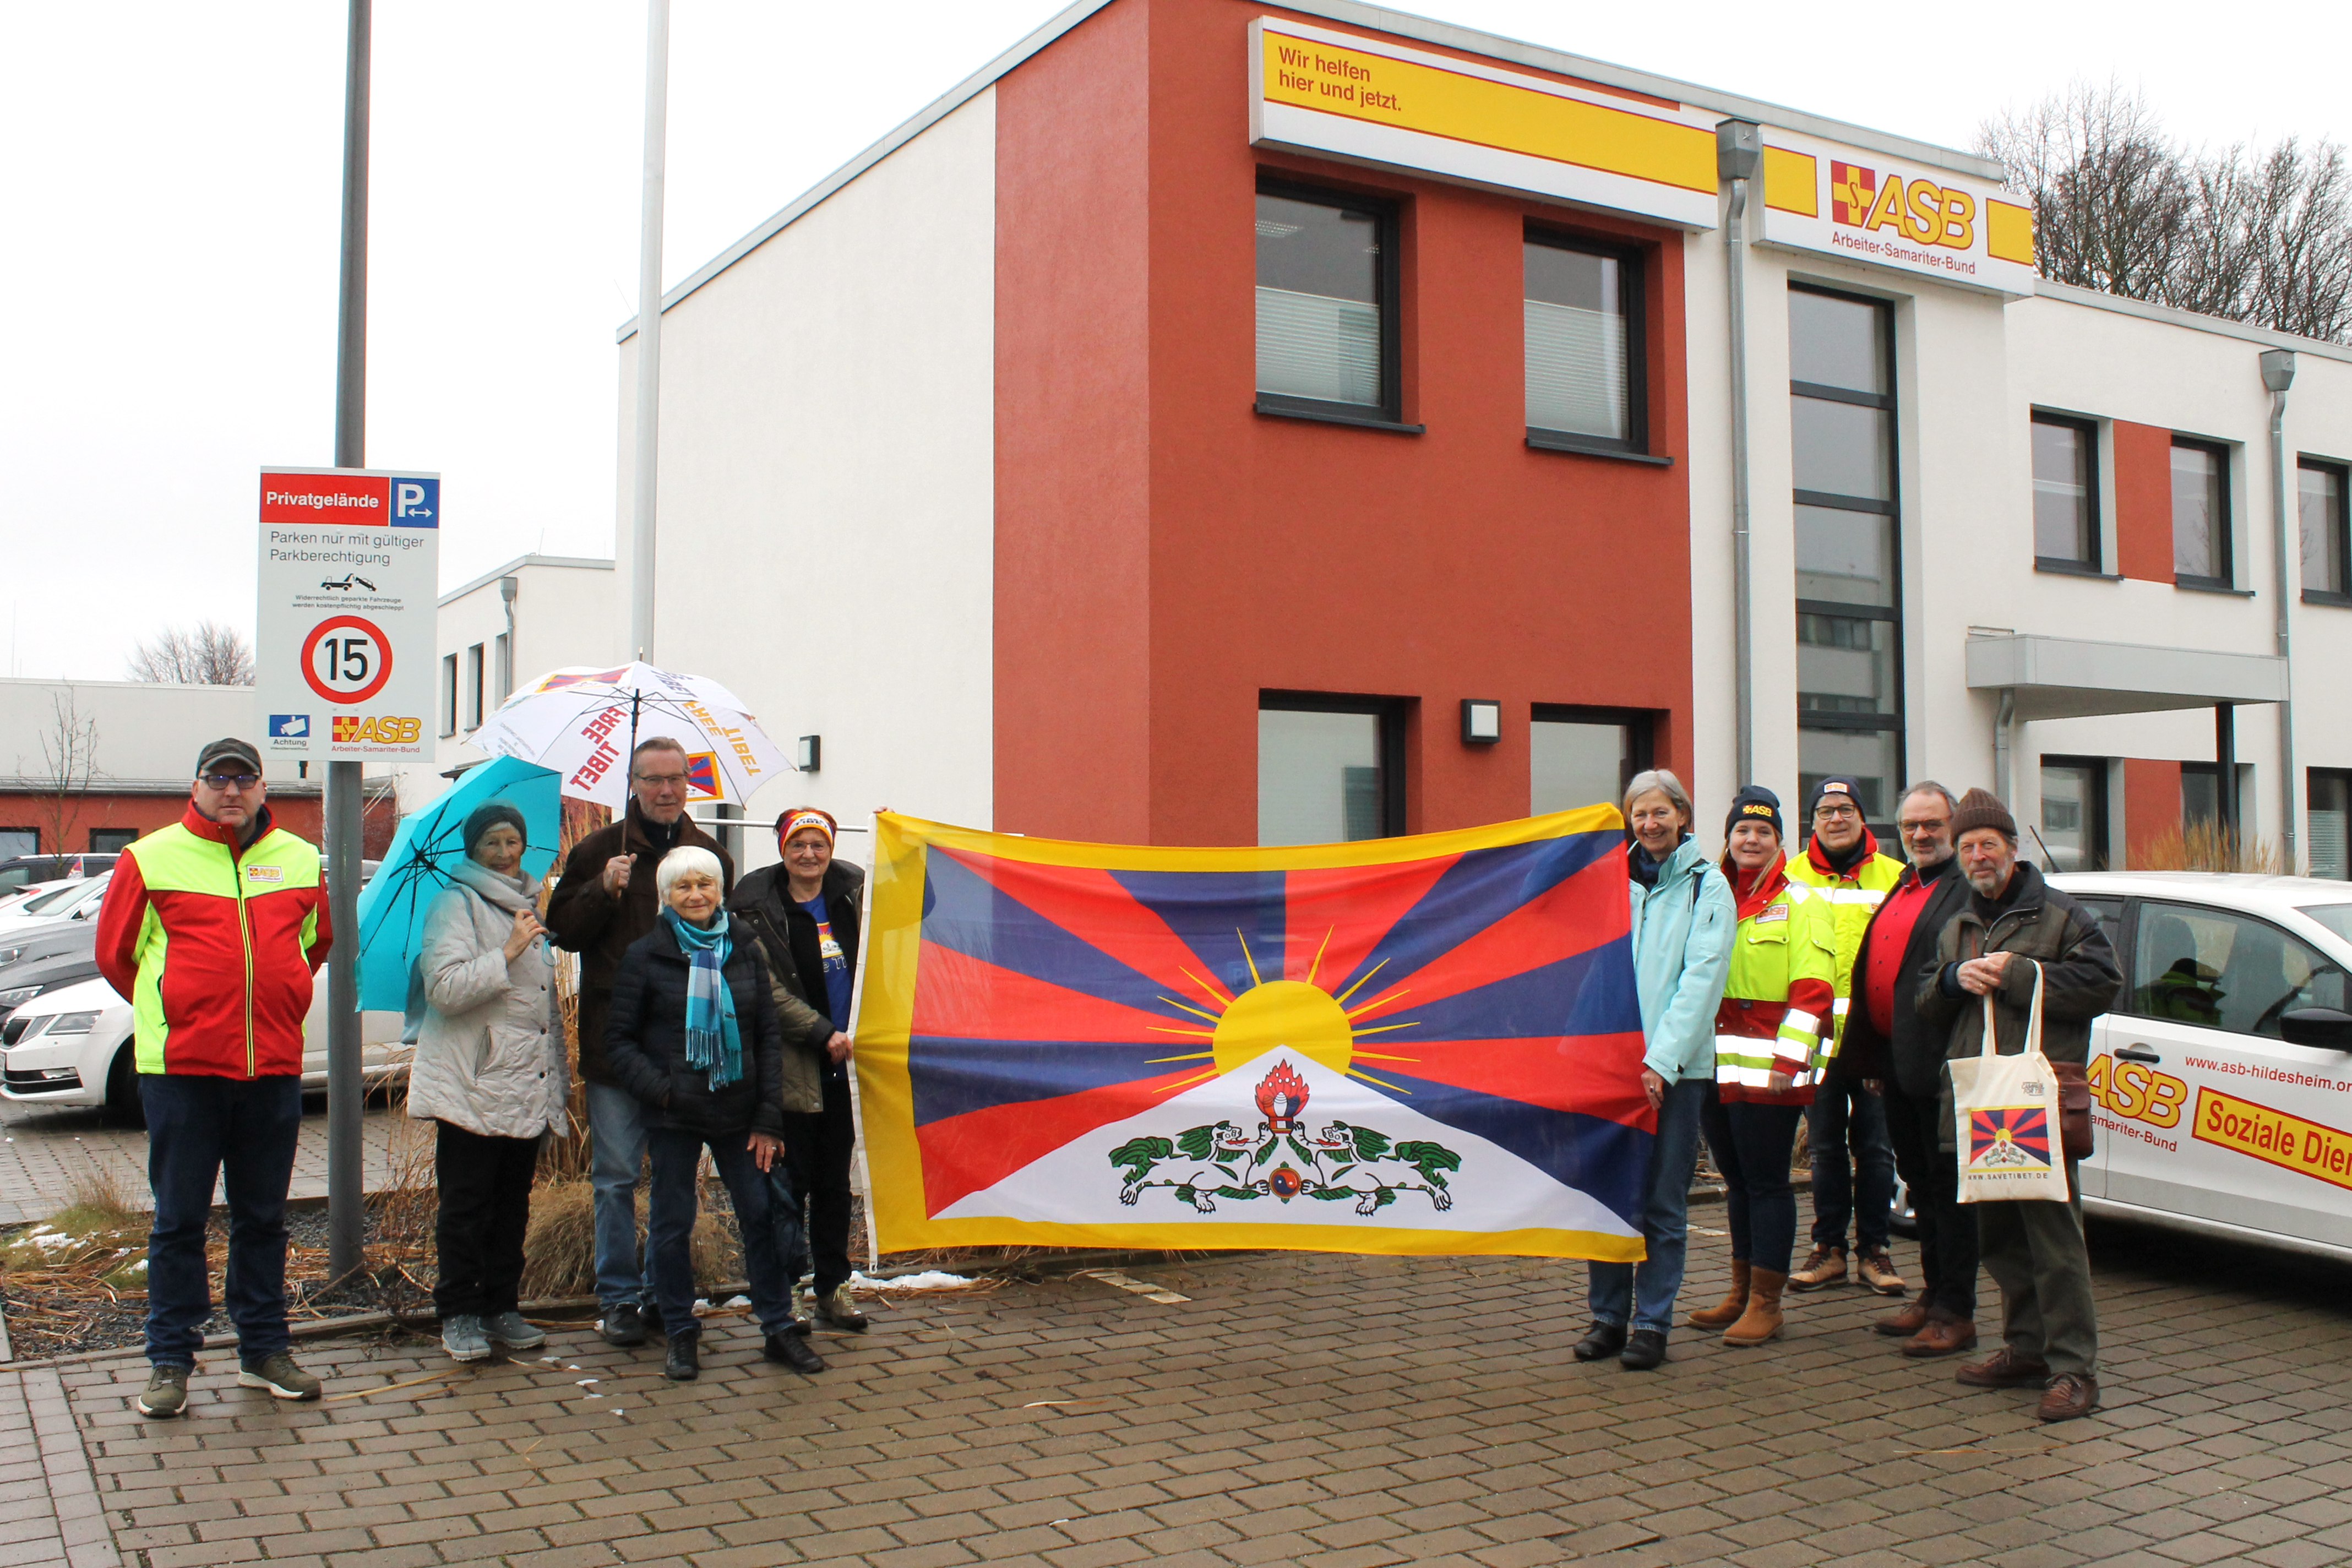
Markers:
(1381, 18)
(2269, 337)
(582, 562)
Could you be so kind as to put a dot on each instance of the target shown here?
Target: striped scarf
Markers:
(713, 1040)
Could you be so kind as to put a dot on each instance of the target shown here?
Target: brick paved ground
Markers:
(1333, 1411)
(46, 1151)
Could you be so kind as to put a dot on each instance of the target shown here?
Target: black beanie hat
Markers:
(1752, 802)
(1845, 784)
(487, 816)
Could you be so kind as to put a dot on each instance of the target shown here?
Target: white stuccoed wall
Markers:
(827, 485)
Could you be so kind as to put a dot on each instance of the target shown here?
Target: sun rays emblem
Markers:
(1297, 1014)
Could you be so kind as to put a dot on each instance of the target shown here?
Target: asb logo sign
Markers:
(382, 729)
(1918, 210)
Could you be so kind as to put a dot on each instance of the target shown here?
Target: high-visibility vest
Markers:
(1776, 999)
(1853, 899)
(216, 947)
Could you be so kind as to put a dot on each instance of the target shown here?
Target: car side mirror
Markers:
(2322, 1027)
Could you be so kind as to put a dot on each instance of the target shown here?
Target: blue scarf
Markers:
(713, 1040)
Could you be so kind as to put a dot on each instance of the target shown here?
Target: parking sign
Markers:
(350, 577)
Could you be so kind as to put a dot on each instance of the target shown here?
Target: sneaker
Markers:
(836, 1307)
(510, 1330)
(463, 1338)
(279, 1374)
(1825, 1266)
(623, 1324)
(167, 1393)
(1878, 1273)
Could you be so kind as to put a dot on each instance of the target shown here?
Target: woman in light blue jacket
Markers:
(1683, 921)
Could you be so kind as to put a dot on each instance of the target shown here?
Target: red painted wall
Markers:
(298, 814)
(1280, 553)
(2151, 803)
(2143, 456)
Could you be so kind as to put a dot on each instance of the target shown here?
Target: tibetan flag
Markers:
(1425, 1045)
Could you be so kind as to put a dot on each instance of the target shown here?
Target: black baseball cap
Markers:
(218, 753)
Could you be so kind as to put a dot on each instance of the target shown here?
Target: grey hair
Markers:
(680, 861)
(1927, 786)
(1662, 782)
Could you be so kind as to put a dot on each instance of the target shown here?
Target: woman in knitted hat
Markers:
(489, 1073)
(693, 1034)
(1768, 1047)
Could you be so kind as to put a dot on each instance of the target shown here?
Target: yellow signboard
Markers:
(2319, 1151)
(1329, 92)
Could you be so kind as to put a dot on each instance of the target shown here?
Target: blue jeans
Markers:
(1752, 1145)
(1844, 1115)
(670, 1226)
(240, 1133)
(616, 1137)
(1647, 1289)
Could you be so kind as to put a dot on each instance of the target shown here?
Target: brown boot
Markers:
(1728, 1311)
(1761, 1321)
(1944, 1333)
(1906, 1322)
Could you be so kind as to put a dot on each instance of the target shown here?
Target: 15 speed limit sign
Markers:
(349, 577)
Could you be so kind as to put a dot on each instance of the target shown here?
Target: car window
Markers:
(2109, 914)
(48, 902)
(15, 876)
(2337, 918)
(2226, 971)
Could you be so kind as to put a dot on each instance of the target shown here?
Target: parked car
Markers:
(21, 871)
(72, 1045)
(43, 958)
(76, 901)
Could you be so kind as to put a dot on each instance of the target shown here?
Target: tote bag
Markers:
(2005, 1116)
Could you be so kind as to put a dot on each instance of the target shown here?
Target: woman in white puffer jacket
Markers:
(489, 1073)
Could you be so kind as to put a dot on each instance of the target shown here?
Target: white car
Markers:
(72, 1045)
(2223, 1081)
(77, 899)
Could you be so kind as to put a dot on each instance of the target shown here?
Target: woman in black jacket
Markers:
(693, 1034)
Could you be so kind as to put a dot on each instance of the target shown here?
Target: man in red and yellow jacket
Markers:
(213, 929)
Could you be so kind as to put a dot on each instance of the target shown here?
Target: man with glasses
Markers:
(1843, 861)
(604, 900)
(212, 927)
(1901, 1059)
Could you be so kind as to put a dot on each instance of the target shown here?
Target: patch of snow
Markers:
(929, 1279)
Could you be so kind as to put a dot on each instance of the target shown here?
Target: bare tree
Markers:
(2120, 206)
(68, 763)
(209, 654)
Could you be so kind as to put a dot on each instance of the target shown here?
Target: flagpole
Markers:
(648, 349)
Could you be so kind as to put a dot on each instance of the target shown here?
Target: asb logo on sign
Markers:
(382, 729)
(1918, 210)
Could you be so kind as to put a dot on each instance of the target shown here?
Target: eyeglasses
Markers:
(666, 781)
(1836, 813)
(232, 781)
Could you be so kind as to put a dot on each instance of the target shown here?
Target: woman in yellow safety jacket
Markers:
(1767, 1048)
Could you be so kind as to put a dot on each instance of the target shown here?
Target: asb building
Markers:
(1220, 424)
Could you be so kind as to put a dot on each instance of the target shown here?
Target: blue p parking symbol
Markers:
(414, 502)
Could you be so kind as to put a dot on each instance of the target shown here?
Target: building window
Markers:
(504, 658)
(1849, 616)
(2200, 513)
(474, 687)
(449, 694)
(2329, 837)
(1584, 344)
(16, 841)
(2074, 813)
(111, 840)
(1583, 756)
(1326, 341)
(2200, 795)
(2320, 500)
(1331, 769)
(2065, 494)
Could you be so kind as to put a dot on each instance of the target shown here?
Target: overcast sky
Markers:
(174, 176)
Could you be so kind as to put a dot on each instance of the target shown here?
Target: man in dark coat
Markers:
(604, 901)
(806, 911)
(1895, 1053)
(2012, 926)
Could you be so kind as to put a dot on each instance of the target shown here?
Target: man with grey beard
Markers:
(2014, 927)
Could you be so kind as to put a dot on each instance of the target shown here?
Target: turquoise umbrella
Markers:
(392, 906)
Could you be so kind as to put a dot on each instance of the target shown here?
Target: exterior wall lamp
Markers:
(810, 752)
(1482, 722)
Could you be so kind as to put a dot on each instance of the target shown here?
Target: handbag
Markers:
(2075, 1109)
(2006, 1115)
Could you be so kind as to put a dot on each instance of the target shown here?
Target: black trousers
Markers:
(1947, 1227)
(484, 1210)
(820, 1146)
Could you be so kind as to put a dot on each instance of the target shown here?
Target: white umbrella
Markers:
(583, 723)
